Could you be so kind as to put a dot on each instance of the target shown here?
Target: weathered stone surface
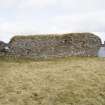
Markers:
(44, 46)
(4, 48)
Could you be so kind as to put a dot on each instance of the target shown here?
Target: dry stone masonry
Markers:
(46, 46)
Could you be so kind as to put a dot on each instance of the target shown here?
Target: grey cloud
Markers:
(52, 16)
(82, 5)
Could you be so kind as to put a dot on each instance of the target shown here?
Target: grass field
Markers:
(65, 81)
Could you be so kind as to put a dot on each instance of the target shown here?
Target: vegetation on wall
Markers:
(45, 46)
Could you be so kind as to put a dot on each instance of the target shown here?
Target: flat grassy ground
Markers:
(66, 81)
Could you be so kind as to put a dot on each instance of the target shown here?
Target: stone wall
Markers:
(3, 48)
(45, 46)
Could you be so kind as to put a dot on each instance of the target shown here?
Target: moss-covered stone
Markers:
(45, 46)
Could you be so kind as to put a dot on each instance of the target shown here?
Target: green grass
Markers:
(65, 81)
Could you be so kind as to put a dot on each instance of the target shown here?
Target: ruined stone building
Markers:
(45, 46)
(4, 48)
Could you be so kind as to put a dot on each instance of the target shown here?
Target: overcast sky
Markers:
(19, 17)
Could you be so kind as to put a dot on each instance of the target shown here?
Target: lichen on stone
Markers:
(45, 46)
